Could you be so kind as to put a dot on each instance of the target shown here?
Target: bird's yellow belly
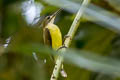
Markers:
(56, 36)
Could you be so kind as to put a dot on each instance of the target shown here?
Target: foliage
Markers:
(93, 42)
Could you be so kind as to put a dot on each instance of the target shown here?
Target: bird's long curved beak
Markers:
(53, 16)
(56, 13)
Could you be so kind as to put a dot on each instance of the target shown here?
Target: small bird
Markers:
(52, 35)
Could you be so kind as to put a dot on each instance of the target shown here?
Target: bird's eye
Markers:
(48, 17)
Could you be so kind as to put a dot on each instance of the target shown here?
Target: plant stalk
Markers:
(68, 39)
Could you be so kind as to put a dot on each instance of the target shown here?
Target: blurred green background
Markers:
(20, 37)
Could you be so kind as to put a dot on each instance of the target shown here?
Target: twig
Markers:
(67, 41)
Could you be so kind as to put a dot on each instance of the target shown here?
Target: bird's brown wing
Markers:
(47, 37)
(48, 40)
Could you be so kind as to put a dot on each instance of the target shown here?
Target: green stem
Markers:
(75, 23)
(67, 41)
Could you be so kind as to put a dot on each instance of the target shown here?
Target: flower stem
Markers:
(67, 41)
